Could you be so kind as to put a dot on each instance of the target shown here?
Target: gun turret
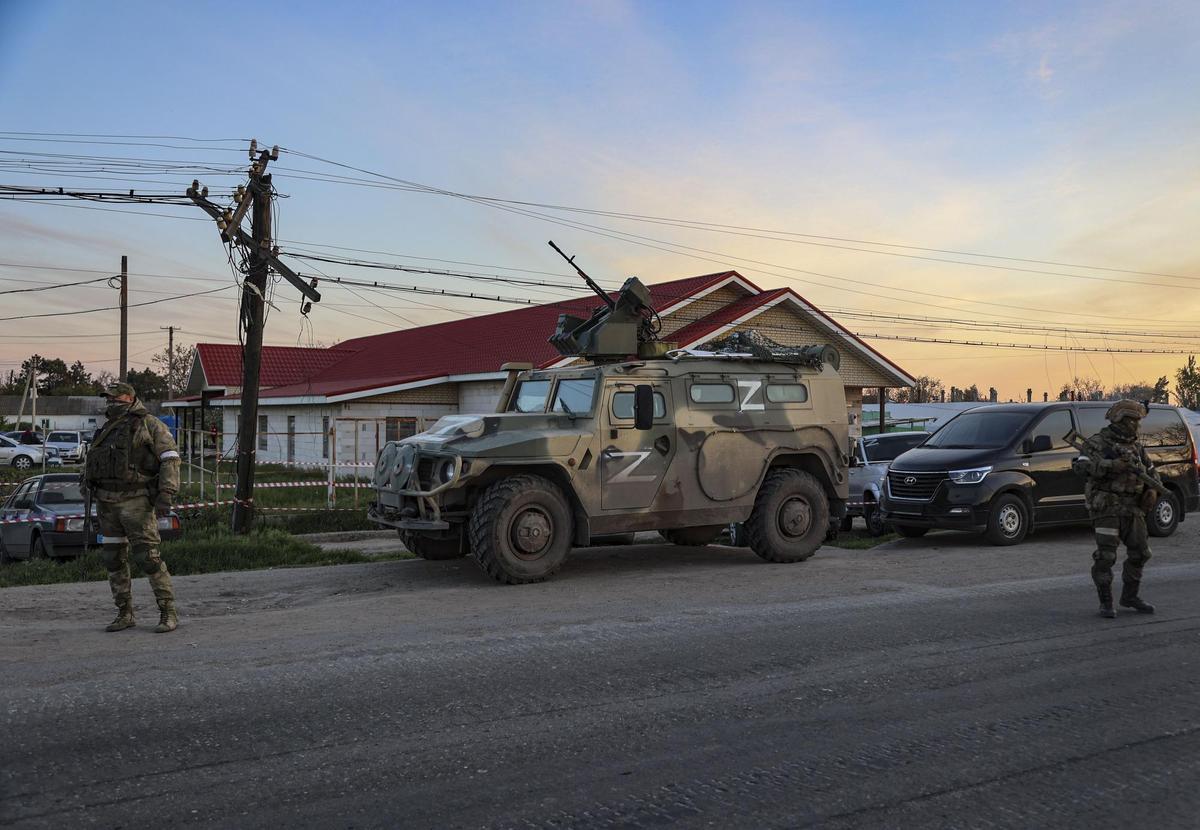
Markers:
(622, 327)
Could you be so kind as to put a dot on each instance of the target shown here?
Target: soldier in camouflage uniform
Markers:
(132, 473)
(1118, 500)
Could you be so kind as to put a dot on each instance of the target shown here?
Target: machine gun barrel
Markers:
(1073, 438)
(600, 292)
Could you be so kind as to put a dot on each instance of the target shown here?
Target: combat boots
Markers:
(1106, 602)
(124, 618)
(1130, 598)
(168, 620)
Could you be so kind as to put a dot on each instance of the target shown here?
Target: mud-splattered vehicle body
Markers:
(683, 445)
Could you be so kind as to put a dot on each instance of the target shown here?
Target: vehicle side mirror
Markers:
(1040, 443)
(643, 406)
(854, 461)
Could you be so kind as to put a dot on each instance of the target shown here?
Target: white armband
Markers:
(169, 454)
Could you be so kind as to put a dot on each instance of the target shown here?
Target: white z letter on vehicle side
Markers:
(750, 388)
(626, 476)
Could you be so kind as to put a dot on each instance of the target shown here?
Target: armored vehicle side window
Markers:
(574, 396)
(622, 405)
(531, 396)
(787, 393)
(711, 393)
(1163, 428)
(1091, 419)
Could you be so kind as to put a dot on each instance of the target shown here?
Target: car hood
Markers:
(508, 435)
(935, 459)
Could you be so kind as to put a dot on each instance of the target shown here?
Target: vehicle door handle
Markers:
(662, 444)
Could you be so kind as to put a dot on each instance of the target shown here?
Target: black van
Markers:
(1004, 469)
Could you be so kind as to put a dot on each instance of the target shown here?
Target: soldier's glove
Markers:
(162, 504)
(1148, 500)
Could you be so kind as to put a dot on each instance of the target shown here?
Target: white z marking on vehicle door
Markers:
(750, 388)
(626, 476)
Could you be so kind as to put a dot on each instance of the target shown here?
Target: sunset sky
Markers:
(1062, 133)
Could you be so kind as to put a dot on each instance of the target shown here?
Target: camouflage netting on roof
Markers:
(762, 347)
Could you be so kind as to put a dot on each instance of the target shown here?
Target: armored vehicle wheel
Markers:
(692, 536)
(521, 529)
(790, 516)
(431, 547)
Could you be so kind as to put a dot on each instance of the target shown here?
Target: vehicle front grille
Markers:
(425, 468)
(914, 486)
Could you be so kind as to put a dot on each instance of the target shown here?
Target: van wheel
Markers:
(790, 516)
(1164, 517)
(696, 537)
(910, 531)
(1008, 521)
(521, 530)
(431, 547)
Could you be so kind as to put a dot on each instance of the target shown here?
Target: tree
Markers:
(177, 380)
(149, 385)
(1187, 385)
(926, 389)
(1085, 389)
(1157, 392)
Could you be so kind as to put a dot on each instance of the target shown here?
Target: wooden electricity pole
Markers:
(170, 330)
(256, 198)
(124, 318)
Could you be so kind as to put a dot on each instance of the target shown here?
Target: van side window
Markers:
(1058, 426)
(1092, 420)
(1163, 428)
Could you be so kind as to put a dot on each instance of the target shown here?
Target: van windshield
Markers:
(980, 430)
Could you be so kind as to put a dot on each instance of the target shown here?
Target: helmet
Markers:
(1126, 409)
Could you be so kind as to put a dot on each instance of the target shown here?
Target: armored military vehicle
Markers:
(635, 436)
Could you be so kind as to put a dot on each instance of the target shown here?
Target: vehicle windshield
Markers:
(61, 492)
(574, 396)
(530, 396)
(980, 430)
(886, 449)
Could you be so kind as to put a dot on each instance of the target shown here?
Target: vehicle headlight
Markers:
(446, 470)
(972, 476)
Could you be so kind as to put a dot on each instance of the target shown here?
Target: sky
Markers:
(1049, 133)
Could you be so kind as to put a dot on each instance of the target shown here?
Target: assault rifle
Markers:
(1076, 440)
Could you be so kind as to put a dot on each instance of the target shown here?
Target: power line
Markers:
(114, 308)
(52, 287)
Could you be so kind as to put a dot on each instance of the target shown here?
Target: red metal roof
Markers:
(281, 365)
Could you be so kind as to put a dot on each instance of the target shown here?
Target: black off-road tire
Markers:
(1164, 516)
(1008, 520)
(910, 531)
(693, 537)
(525, 507)
(431, 547)
(847, 524)
(790, 517)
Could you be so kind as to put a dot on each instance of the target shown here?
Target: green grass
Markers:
(859, 539)
(200, 552)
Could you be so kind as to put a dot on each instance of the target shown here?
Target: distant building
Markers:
(370, 390)
(54, 412)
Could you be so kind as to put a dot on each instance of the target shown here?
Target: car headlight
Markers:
(972, 476)
(446, 470)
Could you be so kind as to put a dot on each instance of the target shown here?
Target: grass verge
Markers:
(207, 551)
(860, 540)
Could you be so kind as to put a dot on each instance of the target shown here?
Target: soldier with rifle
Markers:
(1122, 487)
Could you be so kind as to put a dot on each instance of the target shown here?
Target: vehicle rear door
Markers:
(1057, 490)
(633, 462)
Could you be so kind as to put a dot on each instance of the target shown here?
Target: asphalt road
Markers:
(930, 683)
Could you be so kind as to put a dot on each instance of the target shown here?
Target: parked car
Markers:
(24, 456)
(1005, 469)
(50, 513)
(26, 438)
(70, 444)
(868, 468)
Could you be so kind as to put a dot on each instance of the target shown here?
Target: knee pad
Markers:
(110, 556)
(147, 560)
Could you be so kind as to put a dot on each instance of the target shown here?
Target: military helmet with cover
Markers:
(115, 390)
(1126, 409)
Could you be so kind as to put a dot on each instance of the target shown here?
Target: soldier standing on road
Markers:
(1118, 500)
(132, 472)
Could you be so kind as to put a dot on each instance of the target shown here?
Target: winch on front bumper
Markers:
(412, 487)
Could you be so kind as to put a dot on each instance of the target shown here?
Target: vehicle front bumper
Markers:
(953, 507)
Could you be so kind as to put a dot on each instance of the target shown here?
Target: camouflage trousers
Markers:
(126, 525)
(1112, 530)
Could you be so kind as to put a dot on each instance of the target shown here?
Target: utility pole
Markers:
(170, 359)
(124, 317)
(256, 198)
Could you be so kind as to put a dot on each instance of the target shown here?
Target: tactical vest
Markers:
(112, 460)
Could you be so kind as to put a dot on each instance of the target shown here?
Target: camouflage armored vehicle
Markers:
(639, 437)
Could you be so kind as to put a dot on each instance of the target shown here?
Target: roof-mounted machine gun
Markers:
(626, 326)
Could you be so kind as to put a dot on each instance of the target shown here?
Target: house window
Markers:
(262, 432)
(397, 428)
(291, 438)
(325, 437)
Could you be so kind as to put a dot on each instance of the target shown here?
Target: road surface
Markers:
(928, 683)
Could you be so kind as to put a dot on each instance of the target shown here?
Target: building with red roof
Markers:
(372, 389)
